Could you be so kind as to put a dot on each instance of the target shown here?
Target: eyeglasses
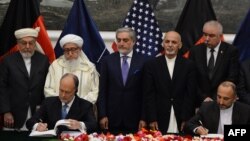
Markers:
(24, 43)
(67, 50)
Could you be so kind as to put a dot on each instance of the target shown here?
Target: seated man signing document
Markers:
(77, 112)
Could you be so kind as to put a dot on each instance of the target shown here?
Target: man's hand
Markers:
(74, 124)
(42, 127)
(8, 120)
(153, 125)
(104, 123)
(142, 124)
(201, 130)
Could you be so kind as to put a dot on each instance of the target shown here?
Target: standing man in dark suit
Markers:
(22, 79)
(79, 112)
(169, 87)
(215, 60)
(120, 93)
(212, 115)
(244, 82)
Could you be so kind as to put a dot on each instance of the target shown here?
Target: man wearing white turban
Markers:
(22, 79)
(76, 62)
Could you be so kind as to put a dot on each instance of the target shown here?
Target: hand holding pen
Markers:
(42, 126)
(201, 130)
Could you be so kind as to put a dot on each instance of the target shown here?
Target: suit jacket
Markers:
(18, 89)
(244, 82)
(160, 91)
(50, 113)
(121, 104)
(226, 68)
(209, 115)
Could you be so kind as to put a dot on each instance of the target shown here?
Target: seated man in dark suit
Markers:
(79, 112)
(212, 116)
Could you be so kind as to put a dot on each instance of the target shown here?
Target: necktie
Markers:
(125, 69)
(64, 111)
(211, 64)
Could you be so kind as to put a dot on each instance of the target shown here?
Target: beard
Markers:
(170, 52)
(27, 54)
(73, 64)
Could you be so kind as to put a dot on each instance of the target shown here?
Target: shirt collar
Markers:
(70, 103)
(129, 54)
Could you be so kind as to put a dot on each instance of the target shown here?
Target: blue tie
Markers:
(64, 111)
(125, 69)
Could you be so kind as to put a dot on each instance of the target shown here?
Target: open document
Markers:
(49, 133)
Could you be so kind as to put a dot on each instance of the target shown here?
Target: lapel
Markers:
(204, 58)
(219, 59)
(164, 70)
(133, 67)
(58, 109)
(235, 114)
(177, 68)
(75, 109)
(116, 60)
(34, 65)
(20, 64)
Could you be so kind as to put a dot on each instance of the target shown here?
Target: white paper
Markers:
(49, 133)
(213, 136)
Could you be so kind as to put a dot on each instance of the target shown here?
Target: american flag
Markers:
(141, 18)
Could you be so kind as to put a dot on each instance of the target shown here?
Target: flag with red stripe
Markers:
(21, 14)
(191, 21)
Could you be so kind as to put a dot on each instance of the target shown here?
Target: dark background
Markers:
(109, 14)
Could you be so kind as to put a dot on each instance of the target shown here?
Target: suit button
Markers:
(172, 99)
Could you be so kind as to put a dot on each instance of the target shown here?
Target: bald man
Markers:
(169, 87)
(22, 79)
(213, 115)
(76, 62)
(79, 112)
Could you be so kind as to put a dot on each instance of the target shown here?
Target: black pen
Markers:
(200, 123)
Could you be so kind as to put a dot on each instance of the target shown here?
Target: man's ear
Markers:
(180, 46)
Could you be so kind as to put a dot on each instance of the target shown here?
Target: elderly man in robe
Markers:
(76, 62)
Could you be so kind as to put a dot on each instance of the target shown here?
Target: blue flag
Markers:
(80, 23)
(142, 19)
(242, 38)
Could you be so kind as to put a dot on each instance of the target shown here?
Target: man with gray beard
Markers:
(22, 79)
(76, 62)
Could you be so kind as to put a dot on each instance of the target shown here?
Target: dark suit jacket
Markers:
(50, 113)
(226, 68)
(161, 92)
(209, 115)
(18, 90)
(244, 82)
(121, 104)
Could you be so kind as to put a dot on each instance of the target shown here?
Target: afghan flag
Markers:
(22, 14)
(191, 21)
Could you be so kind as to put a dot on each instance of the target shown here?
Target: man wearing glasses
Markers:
(76, 62)
(216, 61)
(22, 80)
